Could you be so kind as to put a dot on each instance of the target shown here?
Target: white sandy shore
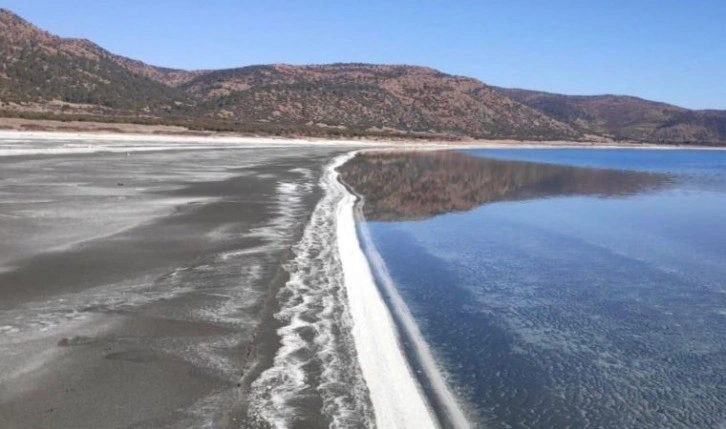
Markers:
(229, 141)
(18, 143)
(451, 407)
(397, 399)
(156, 138)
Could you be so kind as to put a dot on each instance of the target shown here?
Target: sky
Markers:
(664, 50)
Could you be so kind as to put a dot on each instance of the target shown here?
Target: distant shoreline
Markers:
(162, 134)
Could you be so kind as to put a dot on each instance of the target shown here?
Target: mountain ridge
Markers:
(39, 67)
(46, 76)
(368, 96)
(624, 117)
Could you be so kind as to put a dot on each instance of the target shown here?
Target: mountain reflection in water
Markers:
(419, 185)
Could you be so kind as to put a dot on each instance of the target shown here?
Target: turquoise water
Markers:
(562, 304)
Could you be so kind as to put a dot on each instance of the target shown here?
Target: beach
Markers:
(235, 282)
(214, 216)
(140, 278)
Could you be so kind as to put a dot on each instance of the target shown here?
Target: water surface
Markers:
(562, 288)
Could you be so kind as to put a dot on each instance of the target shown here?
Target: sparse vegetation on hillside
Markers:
(47, 77)
(628, 118)
(405, 98)
(37, 67)
(43, 72)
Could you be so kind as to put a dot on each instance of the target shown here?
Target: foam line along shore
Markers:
(340, 350)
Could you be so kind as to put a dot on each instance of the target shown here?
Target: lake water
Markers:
(561, 287)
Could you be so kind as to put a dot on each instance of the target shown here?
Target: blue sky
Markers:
(666, 50)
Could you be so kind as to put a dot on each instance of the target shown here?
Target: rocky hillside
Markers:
(372, 97)
(629, 118)
(40, 70)
(43, 76)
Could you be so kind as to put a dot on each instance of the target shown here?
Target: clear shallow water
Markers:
(551, 298)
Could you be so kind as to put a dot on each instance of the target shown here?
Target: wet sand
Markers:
(138, 290)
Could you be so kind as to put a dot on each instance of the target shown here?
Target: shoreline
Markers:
(229, 140)
(431, 377)
(447, 408)
(172, 329)
(398, 400)
(398, 394)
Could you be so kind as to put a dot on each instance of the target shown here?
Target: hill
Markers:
(40, 71)
(43, 76)
(373, 98)
(628, 118)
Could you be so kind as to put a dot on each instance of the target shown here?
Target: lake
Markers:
(558, 287)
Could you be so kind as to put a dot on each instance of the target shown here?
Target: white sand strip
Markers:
(396, 396)
(448, 400)
(161, 138)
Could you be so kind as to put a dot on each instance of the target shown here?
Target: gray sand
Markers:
(138, 291)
